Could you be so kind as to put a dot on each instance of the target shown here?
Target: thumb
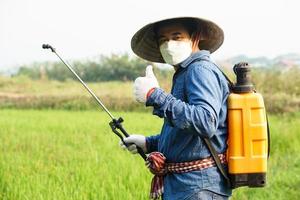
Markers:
(149, 72)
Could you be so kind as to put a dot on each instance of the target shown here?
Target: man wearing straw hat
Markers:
(195, 109)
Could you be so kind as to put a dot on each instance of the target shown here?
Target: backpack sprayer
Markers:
(248, 132)
(115, 124)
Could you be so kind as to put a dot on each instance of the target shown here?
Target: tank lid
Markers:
(243, 78)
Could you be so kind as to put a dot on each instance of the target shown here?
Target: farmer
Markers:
(195, 109)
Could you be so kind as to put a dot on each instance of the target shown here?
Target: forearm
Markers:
(182, 115)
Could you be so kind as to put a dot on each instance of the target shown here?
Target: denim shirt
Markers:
(196, 108)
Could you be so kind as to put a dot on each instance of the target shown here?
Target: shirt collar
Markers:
(197, 55)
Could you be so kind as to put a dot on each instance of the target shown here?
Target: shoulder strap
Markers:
(230, 83)
(269, 137)
(208, 141)
(217, 159)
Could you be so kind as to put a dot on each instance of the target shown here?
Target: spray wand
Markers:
(115, 124)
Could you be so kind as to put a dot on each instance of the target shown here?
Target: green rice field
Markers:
(57, 155)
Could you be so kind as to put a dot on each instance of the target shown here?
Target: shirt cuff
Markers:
(157, 98)
(148, 145)
(151, 144)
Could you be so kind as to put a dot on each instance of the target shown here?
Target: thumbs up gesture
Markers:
(142, 85)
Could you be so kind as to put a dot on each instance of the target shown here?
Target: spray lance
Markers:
(115, 124)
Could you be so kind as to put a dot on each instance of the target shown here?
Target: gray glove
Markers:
(133, 141)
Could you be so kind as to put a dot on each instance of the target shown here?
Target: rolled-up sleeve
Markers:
(204, 100)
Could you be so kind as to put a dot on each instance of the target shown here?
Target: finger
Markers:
(140, 100)
(137, 94)
(129, 140)
(138, 80)
(131, 147)
(123, 147)
(134, 151)
(149, 71)
(136, 90)
(121, 143)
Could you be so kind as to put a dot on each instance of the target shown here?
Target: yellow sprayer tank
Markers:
(247, 128)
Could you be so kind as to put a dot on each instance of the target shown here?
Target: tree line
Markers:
(104, 68)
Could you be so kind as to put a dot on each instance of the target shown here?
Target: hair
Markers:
(190, 25)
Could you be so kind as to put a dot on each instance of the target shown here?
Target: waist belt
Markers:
(157, 166)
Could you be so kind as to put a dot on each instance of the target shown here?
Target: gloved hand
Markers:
(133, 141)
(142, 85)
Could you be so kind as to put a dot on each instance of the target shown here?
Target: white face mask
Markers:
(174, 52)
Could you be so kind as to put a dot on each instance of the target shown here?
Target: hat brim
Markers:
(144, 44)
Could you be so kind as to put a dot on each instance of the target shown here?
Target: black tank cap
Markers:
(243, 78)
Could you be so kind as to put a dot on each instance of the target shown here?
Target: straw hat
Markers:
(144, 43)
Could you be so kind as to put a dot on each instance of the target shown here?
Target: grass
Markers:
(47, 155)
(24, 93)
(25, 86)
(21, 92)
(69, 155)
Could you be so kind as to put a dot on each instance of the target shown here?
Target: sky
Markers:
(85, 29)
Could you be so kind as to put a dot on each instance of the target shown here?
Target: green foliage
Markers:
(57, 71)
(74, 155)
(281, 89)
(105, 68)
(24, 93)
(30, 72)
